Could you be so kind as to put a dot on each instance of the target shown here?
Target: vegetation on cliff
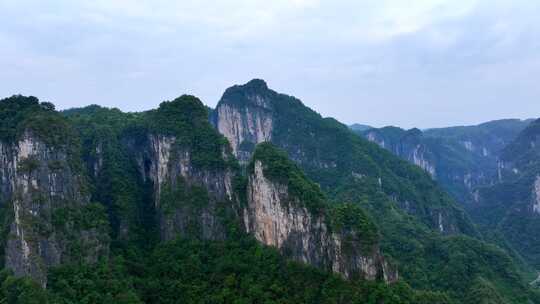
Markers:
(278, 168)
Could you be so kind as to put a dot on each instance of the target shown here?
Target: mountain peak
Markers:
(360, 127)
(256, 83)
(253, 93)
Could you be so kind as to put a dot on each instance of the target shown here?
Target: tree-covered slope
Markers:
(512, 205)
(493, 167)
(195, 271)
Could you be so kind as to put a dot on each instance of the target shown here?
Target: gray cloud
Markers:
(408, 63)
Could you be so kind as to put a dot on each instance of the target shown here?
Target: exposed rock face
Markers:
(36, 182)
(98, 160)
(168, 166)
(445, 223)
(407, 147)
(247, 126)
(154, 163)
(468, 145)
(276, 221)
(372, 136)
(536, 195)
(419, 160)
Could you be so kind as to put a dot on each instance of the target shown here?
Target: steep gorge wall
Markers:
(277, 219)
(245, 127)
(458, 165)
(44, 199)
(187, 198)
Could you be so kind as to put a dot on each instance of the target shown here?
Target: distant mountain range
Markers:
(360, 127)
(493, 169)
(459, 158)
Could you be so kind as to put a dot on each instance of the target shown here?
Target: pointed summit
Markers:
(245, 116)
(256, 84)
(253, 93)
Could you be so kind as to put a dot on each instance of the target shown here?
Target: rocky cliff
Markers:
(44, 199)
(245, 117)
(303, 230)
(187, 198)
(188, 166)
(406, 145)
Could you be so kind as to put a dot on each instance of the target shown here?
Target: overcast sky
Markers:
(381, 62)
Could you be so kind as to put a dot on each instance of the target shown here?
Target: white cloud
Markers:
(358, 51)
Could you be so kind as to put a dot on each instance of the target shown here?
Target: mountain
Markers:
(511, 206)
(459, 158)
(421, 226)
(360, 127)
(193, 181)
(329, 153)
(96, 188)
(493, 168)
(258, 200)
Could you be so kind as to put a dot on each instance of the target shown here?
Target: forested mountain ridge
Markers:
(492, 168)
(155, 177)
(497, 169)
(178, 218)
(413, 214)
(330, 154)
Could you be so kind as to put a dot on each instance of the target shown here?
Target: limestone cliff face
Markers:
(245, 127)
(276, 220)
(420, 160)
(408, 147)
(460, 165)
(187, 198)
(536, 195)
(244, 117)
(42, 194)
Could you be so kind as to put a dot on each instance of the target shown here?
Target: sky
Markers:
(413, 63)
